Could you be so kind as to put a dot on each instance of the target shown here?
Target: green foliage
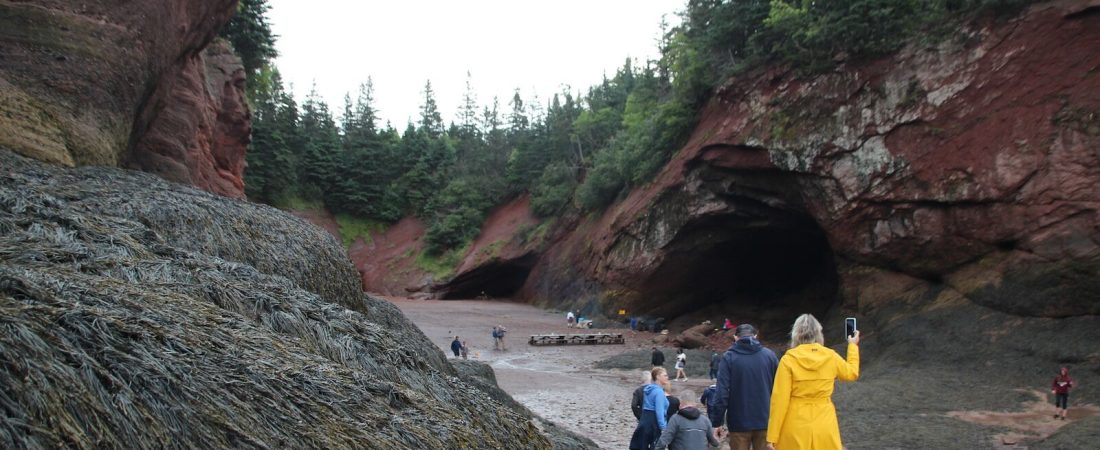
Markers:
(251, 35)
(554, 190)
(441, 266)
(352, 228)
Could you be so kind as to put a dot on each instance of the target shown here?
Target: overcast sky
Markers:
(536, 46)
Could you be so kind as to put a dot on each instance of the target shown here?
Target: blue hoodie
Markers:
(744, 392)
(656, 401)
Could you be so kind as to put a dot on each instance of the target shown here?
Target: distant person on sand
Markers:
(569, 318)
(714, 360)
(744, 390)
(688, 429)
(802, 411)
(500, 336)
(657, 358)
(456, 346)
(465, 350)
(638, 398)
(681, 361)
(654, 406)
(1060, 388)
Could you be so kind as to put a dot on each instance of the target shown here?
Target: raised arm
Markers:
(849, 370)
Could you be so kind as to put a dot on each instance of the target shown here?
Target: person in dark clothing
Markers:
(456, 346)
(707, 399)
(744, 389)
(1060, 388)
(638, 398)
(658, 358)
(714, 360)
(687, 429)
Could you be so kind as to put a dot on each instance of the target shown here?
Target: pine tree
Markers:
(430, 120)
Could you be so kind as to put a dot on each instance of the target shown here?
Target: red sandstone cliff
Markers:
(967, 173)
(88, 83)
(202, 129)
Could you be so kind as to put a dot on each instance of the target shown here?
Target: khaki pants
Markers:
(745, 440)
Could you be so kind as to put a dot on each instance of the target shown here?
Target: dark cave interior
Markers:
(495, 279)
(766, 273)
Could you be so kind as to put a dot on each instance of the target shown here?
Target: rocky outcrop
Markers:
(970, 166)
(200, 135)
(134, 312)
(82, 83)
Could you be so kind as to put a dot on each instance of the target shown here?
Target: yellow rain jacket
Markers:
(802, 412)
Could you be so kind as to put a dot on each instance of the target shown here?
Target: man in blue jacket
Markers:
(744, 390)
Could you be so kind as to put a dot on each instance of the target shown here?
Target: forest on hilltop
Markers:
(577, 152)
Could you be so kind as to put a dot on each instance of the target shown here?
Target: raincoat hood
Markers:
(689, 412)
(1064, 371)
(811, 357)
(746, 346)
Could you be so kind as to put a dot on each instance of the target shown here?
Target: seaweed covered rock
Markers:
(135, 312)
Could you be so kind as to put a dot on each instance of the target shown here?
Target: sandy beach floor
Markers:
(557, 383)
(890, 407)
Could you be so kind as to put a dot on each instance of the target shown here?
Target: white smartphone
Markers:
(850, 326)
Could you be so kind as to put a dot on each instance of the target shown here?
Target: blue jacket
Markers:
(656, 401)
(744, 392)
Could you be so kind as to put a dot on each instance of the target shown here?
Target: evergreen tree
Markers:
(430, 120)
(251, 35)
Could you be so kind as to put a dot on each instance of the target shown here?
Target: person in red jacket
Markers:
(1060, 388)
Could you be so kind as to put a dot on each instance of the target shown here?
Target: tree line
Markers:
(572, 152)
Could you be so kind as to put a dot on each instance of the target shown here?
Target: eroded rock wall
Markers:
(971, 166)
(203, 127)
(81, 83)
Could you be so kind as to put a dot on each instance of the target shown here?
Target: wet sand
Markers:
(557, 383)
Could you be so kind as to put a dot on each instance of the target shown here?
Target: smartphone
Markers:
(850, 326)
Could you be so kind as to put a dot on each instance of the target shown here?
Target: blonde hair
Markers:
(655, 372)
(806, 330)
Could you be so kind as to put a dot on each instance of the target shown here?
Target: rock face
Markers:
(134, 312)
(82, 83)
(969, 169)
(200, 135)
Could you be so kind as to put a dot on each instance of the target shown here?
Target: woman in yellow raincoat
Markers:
(802, 413)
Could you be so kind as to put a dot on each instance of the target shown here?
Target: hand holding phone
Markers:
(850, 327)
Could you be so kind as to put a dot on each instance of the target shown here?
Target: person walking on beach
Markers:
(654, 405)
(498, 338)
(1060, 388)
(688, 429)
(456, 346)
(657, 359)
(638, 398)
(465, 350)
(802, 411)
(681, 361)
(569, 319)
(714, 360)
(744, 390)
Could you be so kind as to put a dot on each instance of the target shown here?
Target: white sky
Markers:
(537, 46)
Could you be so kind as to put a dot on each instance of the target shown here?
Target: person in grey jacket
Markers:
(688, 429)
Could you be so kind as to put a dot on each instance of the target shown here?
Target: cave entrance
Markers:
(496, 279)
(765, 272)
